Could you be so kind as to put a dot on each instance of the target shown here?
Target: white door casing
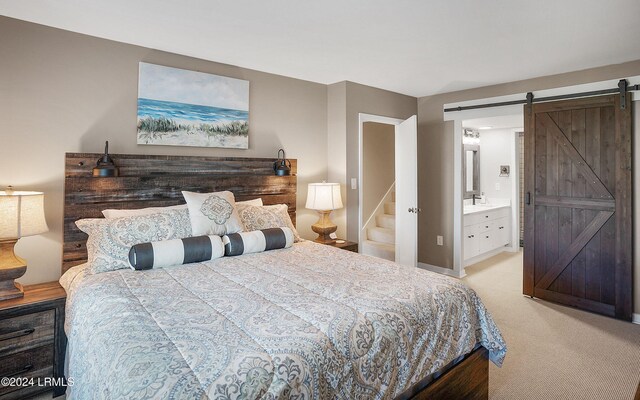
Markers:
(407, 192)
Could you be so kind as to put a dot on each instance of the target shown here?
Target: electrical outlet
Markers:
(497, 185)
(440, 240)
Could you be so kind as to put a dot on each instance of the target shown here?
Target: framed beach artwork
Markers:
(177, 107)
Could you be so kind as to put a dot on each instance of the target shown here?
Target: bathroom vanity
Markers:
(487, 230)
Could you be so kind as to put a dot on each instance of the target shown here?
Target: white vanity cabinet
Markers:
(486, 231)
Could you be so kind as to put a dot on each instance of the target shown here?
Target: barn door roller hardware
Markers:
(623, 88)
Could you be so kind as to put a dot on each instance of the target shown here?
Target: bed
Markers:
(309, 321)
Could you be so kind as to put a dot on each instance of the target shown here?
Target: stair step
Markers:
(384, 235)
(380, 250)
(390, 208)
(386, 221)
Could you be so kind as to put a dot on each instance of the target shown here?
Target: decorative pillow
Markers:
(175, 252)
(252, 202)
(236, 244)
(113, 213)
(212, 213)
(255, 218)
(111, 239)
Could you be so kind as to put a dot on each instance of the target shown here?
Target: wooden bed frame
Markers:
(157, 181)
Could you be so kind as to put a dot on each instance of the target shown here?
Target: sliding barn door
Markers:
(578, 210)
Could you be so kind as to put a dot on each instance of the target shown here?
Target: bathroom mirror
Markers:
(471, 170)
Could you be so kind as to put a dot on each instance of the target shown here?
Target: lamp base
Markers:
(324, 228)
(11, 267)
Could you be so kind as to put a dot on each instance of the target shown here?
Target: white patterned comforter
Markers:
(308, 322)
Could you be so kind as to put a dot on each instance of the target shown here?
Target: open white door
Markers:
(407, 192)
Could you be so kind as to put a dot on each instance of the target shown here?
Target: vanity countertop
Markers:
(472, 209)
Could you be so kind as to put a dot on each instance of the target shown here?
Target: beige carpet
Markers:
(554, 352)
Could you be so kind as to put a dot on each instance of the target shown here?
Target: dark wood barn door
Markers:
(578, 209)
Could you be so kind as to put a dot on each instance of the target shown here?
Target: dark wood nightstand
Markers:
(32, 340)
(347, 245)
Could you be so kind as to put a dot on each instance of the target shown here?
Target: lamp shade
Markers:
(324, 196)
(21, 214)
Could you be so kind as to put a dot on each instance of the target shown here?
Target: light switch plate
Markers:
(354, 183)
(440, 240)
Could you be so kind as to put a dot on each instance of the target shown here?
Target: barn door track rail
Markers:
(623, 88)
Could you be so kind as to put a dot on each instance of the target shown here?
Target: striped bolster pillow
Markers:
(236, 244)
(175, 252)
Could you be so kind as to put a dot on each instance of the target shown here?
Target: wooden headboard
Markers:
(157, 181)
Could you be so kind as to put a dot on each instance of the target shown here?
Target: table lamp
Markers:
(21, 214)
(324, 197)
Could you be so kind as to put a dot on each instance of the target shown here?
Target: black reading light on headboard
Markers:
(282, 166)
(105, 166)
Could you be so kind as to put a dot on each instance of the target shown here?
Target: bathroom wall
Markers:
(496, 149)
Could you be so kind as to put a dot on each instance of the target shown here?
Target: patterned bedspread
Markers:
(308, 322)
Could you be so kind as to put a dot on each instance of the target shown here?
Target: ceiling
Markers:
(415, 47)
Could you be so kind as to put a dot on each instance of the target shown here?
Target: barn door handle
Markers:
(527, 198)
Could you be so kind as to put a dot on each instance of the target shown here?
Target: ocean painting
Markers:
(177, 107)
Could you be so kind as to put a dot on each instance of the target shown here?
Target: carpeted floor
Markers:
(554, 352)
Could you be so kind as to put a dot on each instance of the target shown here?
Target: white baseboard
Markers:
(487, 255)
(636, 319)
(444, 271)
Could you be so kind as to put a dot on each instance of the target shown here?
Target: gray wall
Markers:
(65, 92)
(435, 163)
(378, 164)
(367, 100)
(337, 148)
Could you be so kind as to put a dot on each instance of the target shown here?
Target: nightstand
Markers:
(32, 340)
(347, 245)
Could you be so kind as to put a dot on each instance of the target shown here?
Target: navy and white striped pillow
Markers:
(175, 252)
(236, 244)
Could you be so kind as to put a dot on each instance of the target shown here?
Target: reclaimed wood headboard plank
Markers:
(157, 181)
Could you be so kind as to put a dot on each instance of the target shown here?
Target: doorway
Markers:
(491, 186)
(388, 188)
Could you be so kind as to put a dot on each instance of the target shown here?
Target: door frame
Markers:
(458, 116)
(362, 118)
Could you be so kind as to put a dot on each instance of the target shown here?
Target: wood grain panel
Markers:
(624, 211)
(157, 181)
(26, 331)
(578, 163)
(34, 363)
(467, 380)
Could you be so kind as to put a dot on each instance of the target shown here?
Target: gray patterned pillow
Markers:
(255, 218)
(110, 239)
(213, 213)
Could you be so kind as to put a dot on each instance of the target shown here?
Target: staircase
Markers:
(381, 232)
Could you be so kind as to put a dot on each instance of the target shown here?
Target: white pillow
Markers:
(213, 213)
(113, 213)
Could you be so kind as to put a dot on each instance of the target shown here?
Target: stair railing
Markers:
(377, 211)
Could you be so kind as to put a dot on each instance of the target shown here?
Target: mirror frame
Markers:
(467, 194)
